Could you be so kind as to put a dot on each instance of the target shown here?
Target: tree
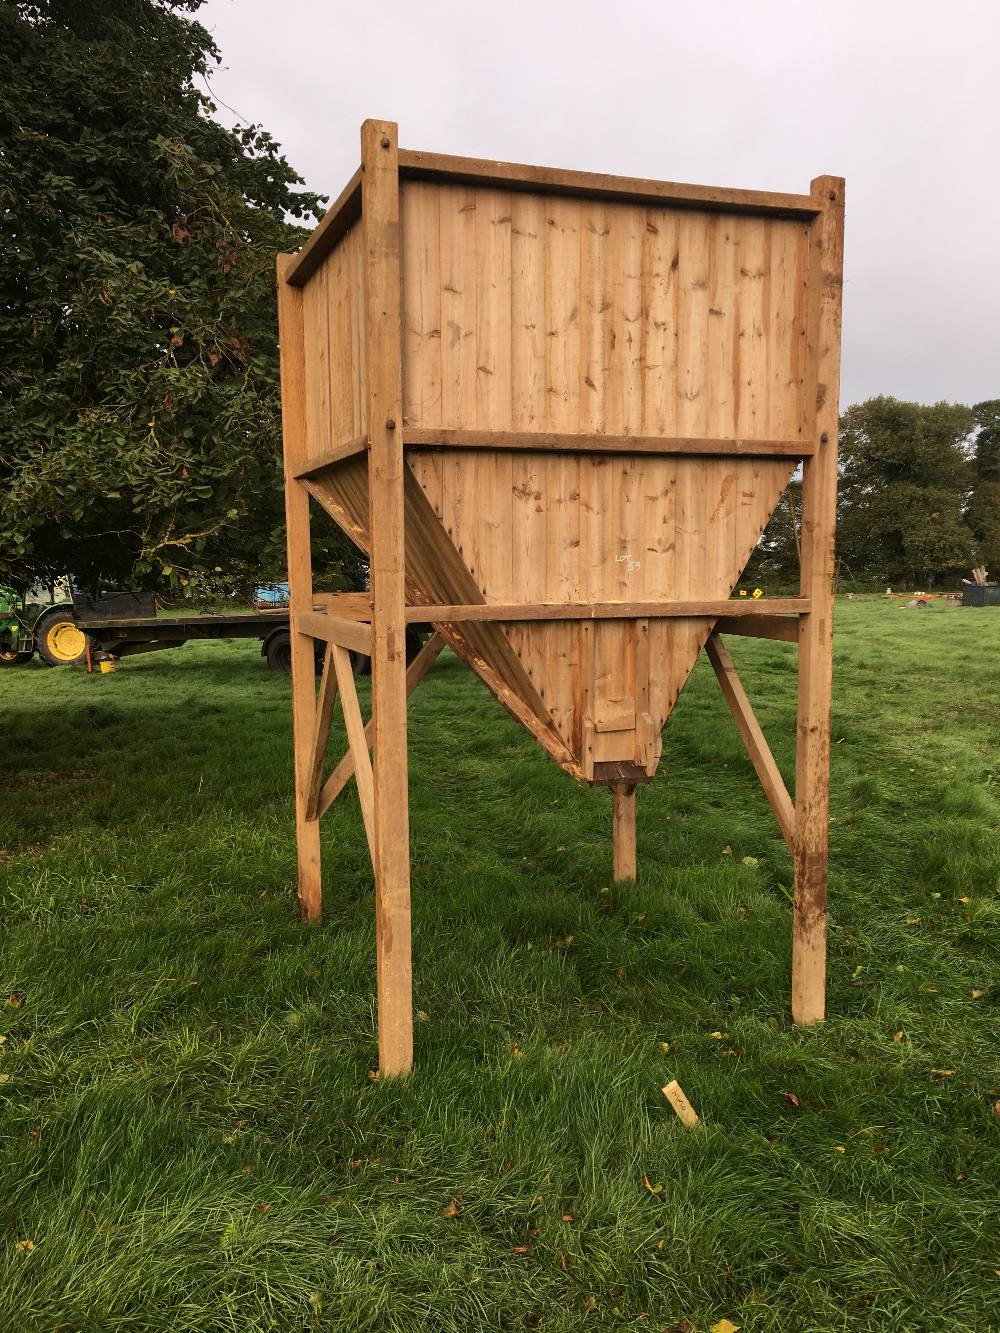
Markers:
(906, 475)
(139, 412)
(984, 504)
(775, 561)
(987, 447)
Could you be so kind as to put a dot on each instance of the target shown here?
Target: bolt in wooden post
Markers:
(293, 424)
(384, 394)
(623, 820)
(819, 509)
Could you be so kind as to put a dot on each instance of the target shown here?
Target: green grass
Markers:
(191, 1137)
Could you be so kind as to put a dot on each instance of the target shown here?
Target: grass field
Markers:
(192, 1142)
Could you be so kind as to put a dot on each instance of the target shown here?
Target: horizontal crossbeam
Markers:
(592, 185)
(783, 628)
(437, 614)
(354, 634)
(436, 437)
(338, 454)
(418, 437)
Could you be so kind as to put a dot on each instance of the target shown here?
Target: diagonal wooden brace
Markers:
(356, 740)
(753, 738)
(321, 734)
(344, 771)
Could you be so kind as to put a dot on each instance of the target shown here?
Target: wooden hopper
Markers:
(556, 410)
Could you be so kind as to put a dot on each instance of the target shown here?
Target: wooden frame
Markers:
(555, 410)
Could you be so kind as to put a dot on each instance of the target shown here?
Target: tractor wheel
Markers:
(11, 657)
(60, 640)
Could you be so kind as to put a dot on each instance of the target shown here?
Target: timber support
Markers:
(462, 395)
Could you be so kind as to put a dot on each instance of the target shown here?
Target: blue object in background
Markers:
(275, 594)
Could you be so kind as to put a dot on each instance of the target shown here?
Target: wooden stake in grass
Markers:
(674, 1094)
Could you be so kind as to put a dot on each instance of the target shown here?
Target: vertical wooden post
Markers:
(623, 822)
(291, 335)
(819, 511)
(384, 398)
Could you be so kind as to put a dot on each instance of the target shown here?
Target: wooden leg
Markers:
(623, 820)
(304, 720)
(383, 373)
(819, 508)
(310, 879)
(812, 787)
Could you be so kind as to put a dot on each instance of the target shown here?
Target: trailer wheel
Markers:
(60, 640)
(278, 651)
(11, 657)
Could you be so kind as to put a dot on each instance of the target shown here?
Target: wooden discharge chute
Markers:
(556, 410)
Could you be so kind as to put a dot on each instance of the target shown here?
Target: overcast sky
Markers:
(899, 96)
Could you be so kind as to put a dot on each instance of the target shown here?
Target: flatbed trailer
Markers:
(111, 629)
(122, 636)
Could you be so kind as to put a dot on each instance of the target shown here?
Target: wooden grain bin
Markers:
(556, 410)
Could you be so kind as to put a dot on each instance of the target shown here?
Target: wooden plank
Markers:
(418, 437)
(753, 739)
(383, 362)
(725, 280)
(344, 605)
(695, 248)
(487, 611)
(528, 312)
(293, 424)
(819, 512)
(783, 629)
(324, 716)
(330, 456)
(337, 273)
(623, 827)
(659, 334)
(420, 271)
(358, 743)
(341, 214)
(344, 771)
(346, 633)
(359, 408)
(316, 321)
(414, 164)
(529, 498)
(585, 689)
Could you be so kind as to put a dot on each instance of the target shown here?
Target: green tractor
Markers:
(30, 624)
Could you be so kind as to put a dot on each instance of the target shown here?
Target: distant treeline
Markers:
(918, 503)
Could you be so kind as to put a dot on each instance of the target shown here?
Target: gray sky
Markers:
(899, 96)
